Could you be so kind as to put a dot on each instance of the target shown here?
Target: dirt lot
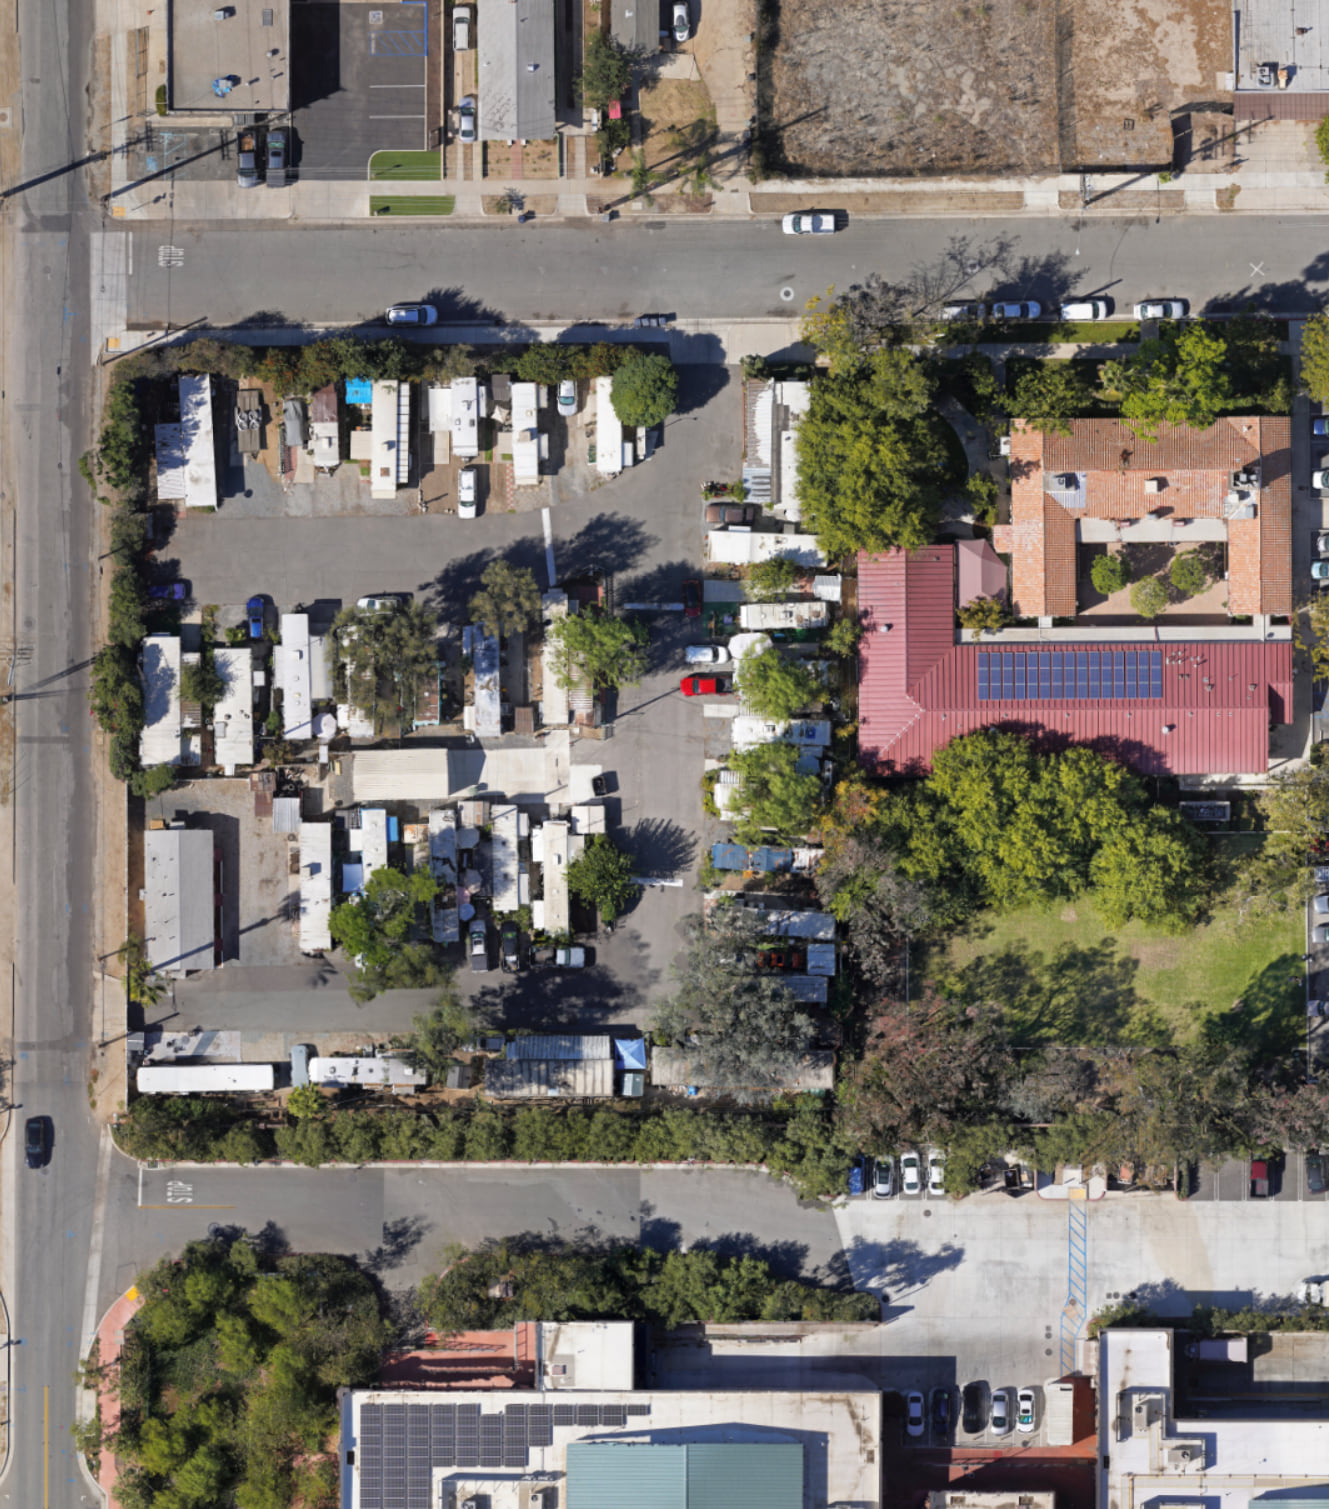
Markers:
(879, 88)
(885, 88)
(677, 117)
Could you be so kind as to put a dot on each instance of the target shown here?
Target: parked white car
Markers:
(466, 493)
(682, 21)
(567, 396)
(809, 223)
(1086, 309)
(936, 1172)
(705, 654)
(412, 314)
(1027, 310)
(911, 1173)
(461, 29)
(1161, 309)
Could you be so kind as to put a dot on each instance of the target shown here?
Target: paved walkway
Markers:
(110, 1338)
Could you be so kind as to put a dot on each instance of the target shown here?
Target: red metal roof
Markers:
(918, 687)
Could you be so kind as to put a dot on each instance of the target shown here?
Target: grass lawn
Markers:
(413, 204)
(1063, 976)
(406, 167)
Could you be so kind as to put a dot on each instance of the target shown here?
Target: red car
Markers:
(703, 686)
(692, 599)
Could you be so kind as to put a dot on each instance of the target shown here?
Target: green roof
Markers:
(704, 1475)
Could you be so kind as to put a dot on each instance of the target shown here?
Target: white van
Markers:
(1086, 309)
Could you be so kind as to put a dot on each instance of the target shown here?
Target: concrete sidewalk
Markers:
(110, 1338)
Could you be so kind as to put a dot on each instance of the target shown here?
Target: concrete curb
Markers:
(512, 1163)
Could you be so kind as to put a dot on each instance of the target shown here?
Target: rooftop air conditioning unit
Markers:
(1153, 484)
(558, 1369)
(1184, 1455)
(1068, 482)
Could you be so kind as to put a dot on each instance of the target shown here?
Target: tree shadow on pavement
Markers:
(608, 544)
(400, 1238)
(896, 1266)
(787, 1258)
(660, 846)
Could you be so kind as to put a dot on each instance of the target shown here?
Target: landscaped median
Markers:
(411, 204)
(406, 167)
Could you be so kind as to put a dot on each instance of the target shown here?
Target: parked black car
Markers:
(974, 1404)
(941, 1411)
(36, 1140)
(1314, 1173)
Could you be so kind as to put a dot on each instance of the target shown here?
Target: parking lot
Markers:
(1232, 1181)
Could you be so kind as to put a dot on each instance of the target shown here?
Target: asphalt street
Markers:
(708, 270)
(48, 1239)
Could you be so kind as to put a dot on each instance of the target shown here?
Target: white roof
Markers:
(741, 547)
(589, 1353)
(555, 708)
(197, 442)
(315, 887)
(170, 463)
(292, 672)
(383, 441)
(370, 839)
(503, 859)
(467, 406)
(194, 1079)
(178, 891)
(159, 743)
(805, 614)
(233, 717)
(553, 843)
(440, 409)
(439, 775)
(484, 717)
(326, 439)
(364, 1071)
(807, 733)
(608, 430)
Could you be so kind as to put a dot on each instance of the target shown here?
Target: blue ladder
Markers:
(1076, 1309)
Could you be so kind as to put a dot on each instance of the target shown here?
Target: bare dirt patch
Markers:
(539, 159)
(882, 88)
(677, 122)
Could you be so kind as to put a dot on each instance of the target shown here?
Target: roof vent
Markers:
(1169, 727)
(1155, 484)
(1069, 481)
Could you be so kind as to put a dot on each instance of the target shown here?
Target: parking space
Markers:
(359, 84)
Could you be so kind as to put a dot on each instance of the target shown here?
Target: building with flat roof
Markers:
(610, 1449)
(1166, 701)
(1154, 1449)
(316, 889)
(179, 899)
(160, 743)
(1280, 59)
(293, 672)
(228, 60)
(233, 716)
(515, 59)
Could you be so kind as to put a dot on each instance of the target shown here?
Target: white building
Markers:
(809, 613)
(740, 546)
(233, 716)
(612, 451)
(390, 439)
(315, 887)
(507, 878)
(179, 899)
(204, 1079)
(469, 405)
(160, 741)
(528, 399)
(198, 443)
(746, 732)
(370, 839)
(553, 847)
(293, 675)
(344, 1072)
(483, 715)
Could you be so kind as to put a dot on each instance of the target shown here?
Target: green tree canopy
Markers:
(776, 801)
(1181, 377)
(1188, 573)
(545, 362)
(871, 465)
(776, 687)
(372, 927)
(742, 1027)
(606, 71)
(1109, 574)
(508, 601)
(601, 876)
(610, 652)
(1149, 597)
(983, 613)
(435, 1037)
(770, 579)
(201, 681)
(645, 390)
(383, 656)
(1051, 394)
(1315, 356)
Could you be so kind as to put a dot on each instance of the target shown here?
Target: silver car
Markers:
(682, 21)
(461, 28)
(883, 1178)
(1027, 310)
(1001, 1412)
(1161, 309)
(567, 396)
(466, 119)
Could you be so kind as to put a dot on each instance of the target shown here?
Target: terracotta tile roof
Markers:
(918, 686)
(1114, 466)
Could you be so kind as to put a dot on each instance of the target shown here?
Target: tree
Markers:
(744, 1031)
(848, 328)
(305, 1101)
(775, 799)
(202, 682)
(983, 613)
(859, 881)
(382, 655)
(983, 493)
(126, 622)
(142, 984)
(1181, 377)
(606, 71)
(152, 782)
(774, 687)
(1109, 574)
(872, 467)
(508, 601)
(843, 636)
(1150, 871)
(372, 927)
(771, 579)
(545, 362)
(435, 1038)
(643, 178)
(609, 652)
(601, 876)
(1188, 573)
(1148, 597)
(1049, 395)
(926, 1069)
(645, 390)
(1314, 636)
(1315, 356)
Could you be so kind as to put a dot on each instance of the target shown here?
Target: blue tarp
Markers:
(394, 830)
(359, 390)
(729, 856)
(352, 878)
(630, 1052)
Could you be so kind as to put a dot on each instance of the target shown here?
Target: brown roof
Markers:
(1115, 465)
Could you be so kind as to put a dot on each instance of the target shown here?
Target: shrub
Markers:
(1149, 597)
(645, 390)
(1109, 574)
(1188, 574)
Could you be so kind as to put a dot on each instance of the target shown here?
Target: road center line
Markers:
(549, 545)
(46, 1447)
